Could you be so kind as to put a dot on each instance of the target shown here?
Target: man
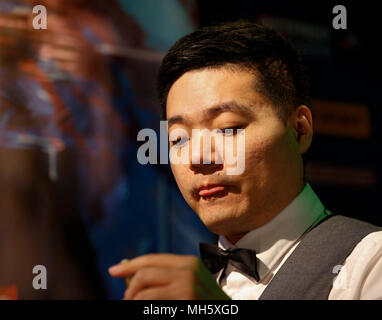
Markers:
(245, 76)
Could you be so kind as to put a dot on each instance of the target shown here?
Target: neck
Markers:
(265, 218)
(236, 237)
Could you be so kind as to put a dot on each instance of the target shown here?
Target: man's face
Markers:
(234, 204)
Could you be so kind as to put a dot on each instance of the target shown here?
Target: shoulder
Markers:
(345, 227)
(368, 249)
(338, 220)
(361, 274)
(369, 245)
(339, 233)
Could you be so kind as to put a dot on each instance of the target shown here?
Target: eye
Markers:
(230, 131)
(178, 143)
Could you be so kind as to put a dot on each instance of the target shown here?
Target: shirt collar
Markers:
(274, 239)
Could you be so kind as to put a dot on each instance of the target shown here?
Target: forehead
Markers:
(197, 90)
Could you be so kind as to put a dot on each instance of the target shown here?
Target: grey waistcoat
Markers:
(308, 272)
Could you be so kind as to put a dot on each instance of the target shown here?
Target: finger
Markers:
(149, 277)
(127, 279)
(153, 260)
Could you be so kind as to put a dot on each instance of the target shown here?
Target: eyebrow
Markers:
(215, 110)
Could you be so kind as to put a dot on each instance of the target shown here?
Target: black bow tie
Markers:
(215, 259)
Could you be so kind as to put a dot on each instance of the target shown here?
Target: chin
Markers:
(221, 224)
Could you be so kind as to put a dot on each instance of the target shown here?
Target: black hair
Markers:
(242, 44)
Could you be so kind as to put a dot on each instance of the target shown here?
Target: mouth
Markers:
(212, 190)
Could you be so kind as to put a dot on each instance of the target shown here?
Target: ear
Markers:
(302, 124)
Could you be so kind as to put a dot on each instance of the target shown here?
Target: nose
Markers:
(205, 155)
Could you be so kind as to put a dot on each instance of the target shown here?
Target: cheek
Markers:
(184, 180)
(263, 156)
(182, 177)
(257, 153)
(177, 172)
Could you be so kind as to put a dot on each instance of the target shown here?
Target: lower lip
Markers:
(211, 191)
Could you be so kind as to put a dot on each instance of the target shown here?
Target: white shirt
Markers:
(359, 278)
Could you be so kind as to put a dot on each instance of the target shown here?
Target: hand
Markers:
(168, 277)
